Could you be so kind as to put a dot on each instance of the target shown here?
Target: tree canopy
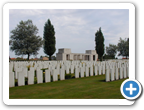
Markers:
(111, 50)
(123, 47)
(99, 40)
(49, 39)
(24, 39)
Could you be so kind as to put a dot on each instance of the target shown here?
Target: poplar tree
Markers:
(99, 41)
(49, 39)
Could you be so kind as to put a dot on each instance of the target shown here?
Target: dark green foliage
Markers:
(49, 39)
(123, 47)
(111, 50)
(99, 40)
(68, 76)
(109, 56)
(24, 39)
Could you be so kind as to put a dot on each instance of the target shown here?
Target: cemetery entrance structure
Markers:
(65, 54)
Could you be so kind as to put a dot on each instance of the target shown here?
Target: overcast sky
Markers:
(75, 28)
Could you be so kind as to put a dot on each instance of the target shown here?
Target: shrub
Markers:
(68, 76)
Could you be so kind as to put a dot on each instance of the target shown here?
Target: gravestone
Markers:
(112, 74)
(25, 71)
(17, 70)
(91, 71)
(72, 68)
(82, 72)
(95, 68)
(87, 71)
(21, 78)
(31, 76)
(55, 76)
(62, 74)
(67, 70)
(47, 76)
(107, 75)
(39, 76)
(99, 70)
(76, 72)
(117, 75)
(124, 70)
(103, 68)
(11, 79)
(121, 73)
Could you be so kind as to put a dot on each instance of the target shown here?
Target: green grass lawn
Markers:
(93, 87)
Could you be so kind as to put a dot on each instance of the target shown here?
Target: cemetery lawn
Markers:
(93, 87)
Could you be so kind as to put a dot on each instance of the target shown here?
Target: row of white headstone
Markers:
(82, 69)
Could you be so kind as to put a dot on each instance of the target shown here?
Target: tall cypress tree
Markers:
(49, 39)
(99, 40)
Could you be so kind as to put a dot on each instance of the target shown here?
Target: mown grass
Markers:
(93, 87)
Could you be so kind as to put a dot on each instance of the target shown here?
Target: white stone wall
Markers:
(65, 54)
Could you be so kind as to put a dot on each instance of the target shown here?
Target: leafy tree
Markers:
(99, 39)
(24, 39)
(123, 47)
(111, 50)
(49, 39)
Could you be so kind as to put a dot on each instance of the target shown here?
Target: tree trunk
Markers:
(50, 57)
(28, 56)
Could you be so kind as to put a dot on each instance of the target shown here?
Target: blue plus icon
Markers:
(130, 89)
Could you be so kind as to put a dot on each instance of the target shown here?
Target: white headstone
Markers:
(103, 67)
(95, 68)
(25, 71)
(82, 72)
(91, 71)
(121, 73)
(39, 76)
(17, 70)
(67, 70)
(55, 76)
(72, 68)
(62, 74)
(117, 75)
(112, 74)
(11, 79)
(107, 75)
(47, 76)
(99, 70)
(76, 72)
(21, 79)
(31, 76)
(125, 72)
(87, 71)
